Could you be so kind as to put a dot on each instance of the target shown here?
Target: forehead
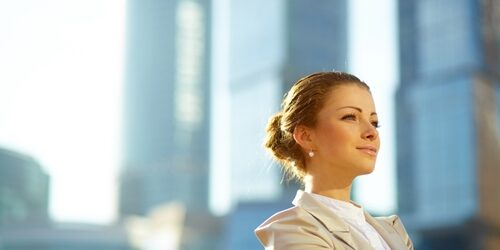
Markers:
(350, 95)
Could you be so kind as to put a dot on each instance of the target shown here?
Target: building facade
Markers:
(447, 109)
(317, 38)
(64, 237)
(24, 190)
(300, 38)
(166, 128)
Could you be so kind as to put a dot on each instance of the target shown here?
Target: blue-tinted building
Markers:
(317, 38)
(166, 105)
(297, 39)
(256, 63)
(247, 216)
(24, 190)
(448, 128)
(166, 128)
(64, 237)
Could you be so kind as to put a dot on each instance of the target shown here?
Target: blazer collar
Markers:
(391, 237)
(340, 229)
(333, 223)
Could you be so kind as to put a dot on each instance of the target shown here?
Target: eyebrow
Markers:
(356, 108)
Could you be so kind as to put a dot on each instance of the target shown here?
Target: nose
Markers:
(369, 132)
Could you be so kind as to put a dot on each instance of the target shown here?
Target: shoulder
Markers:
(392, 221)
(293, 228)
(293, 215)
(396, 224)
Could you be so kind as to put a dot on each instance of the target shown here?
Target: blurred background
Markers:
(138, 124)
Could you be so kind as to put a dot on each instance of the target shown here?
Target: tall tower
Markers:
(448, 123)
(300, 38)
(316, 38)
(166, 111)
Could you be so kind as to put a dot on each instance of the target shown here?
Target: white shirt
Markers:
(355, 217)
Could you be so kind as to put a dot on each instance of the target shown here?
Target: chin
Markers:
(367, 169)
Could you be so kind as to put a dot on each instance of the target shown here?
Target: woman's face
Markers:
(345, 137)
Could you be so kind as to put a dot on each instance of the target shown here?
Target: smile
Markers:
(368, 150)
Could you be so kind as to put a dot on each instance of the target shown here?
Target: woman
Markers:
(325, 136)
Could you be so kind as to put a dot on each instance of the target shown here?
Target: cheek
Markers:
(335, 138)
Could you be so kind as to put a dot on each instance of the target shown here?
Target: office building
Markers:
(298, 38)
(448, 123)
(24, 190)
(64, 236)
(166, 129)
(317, 38)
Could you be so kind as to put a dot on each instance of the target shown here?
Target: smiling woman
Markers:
(342, 138)
(325, 136)
(60, 92)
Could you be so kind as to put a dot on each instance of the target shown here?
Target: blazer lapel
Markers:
(387, 232)
(333, 223)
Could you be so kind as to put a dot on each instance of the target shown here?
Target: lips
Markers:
(370, 150)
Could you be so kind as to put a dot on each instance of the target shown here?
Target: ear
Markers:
(303, 136)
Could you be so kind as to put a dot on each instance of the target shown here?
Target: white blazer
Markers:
(311, 225)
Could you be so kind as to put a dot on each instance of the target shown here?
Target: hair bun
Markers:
(274, 135)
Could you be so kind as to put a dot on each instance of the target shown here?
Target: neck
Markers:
(339, 189)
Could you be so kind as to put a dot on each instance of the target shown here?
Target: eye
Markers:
(351, 117)
(375, 124)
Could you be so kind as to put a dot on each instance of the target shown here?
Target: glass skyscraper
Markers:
(448, 125)
(166, 130)
(298, 38)
(316, 38)
(24, 191)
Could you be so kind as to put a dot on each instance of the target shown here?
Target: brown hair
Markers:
(300, 106)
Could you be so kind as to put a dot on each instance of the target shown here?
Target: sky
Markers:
(60, 97)
(373, 58)
(61, 76)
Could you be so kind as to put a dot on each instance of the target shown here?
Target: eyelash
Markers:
(353, 116)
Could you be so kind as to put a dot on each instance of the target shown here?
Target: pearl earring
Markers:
(311, 153)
